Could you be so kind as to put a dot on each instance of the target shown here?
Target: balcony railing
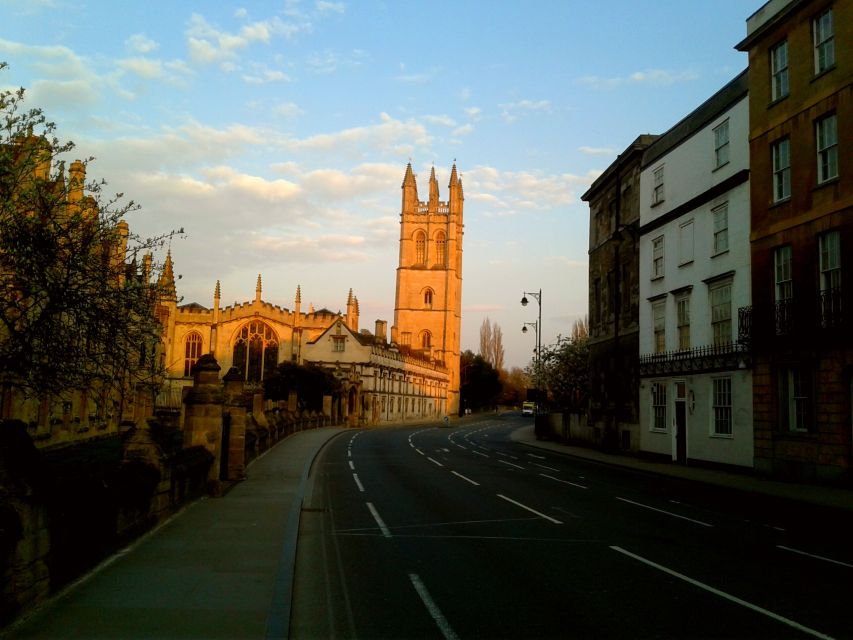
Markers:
(716, 357)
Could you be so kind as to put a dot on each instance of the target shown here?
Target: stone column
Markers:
(203, 423)
(235, 407)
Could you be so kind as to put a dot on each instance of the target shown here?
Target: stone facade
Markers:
(801, 154)
(614, 291)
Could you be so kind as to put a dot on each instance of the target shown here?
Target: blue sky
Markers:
(277, 133)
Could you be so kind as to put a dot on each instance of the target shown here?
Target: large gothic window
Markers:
(420, 248)
(192, 352)
(255, 351)
(440, 249)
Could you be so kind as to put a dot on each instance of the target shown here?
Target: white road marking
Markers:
(533, 455)
(419, 451)
(480, 454)
(385, 531)
(523, 506)
(506, 455)
(723, 594)
(579, 486)
(811, 555)
(511, 464)
(542, 466)
(349, 453)
(351, 465)
(432, 608)
(476, 484)
(434, 461)
(358, 482)
(461, 447)
(669, 513)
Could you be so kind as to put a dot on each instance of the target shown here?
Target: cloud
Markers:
(265, 76)
(464, 130)
(483, 308)
(140, 43)
(597, 151)
(323, 6)
(511, 110)
(143, 67)
(445, 121)
(287, 110)
(328, 61)
(473, 112)
(648, 77)
(390, 135)
(422, 77)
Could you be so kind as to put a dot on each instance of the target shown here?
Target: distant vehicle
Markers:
(528, 408)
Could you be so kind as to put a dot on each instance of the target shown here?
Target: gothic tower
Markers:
(428, 306)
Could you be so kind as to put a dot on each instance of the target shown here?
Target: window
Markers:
(428, 298)
(657, 192)
(255, 351)
(826, 139)
(685, 243)
(420, 248)
(659, 325)
(722, 406)
(721, 144)
(682, 306)
(339, 344)
(721, 229)
(405, 339)
(658, 406)
(779, 71)
(426, 339)
(657, 257)
(795, 398)
(824, 42)
(721, 313)
(781, 152)
(192, 352)
(440, 249)
(829, 247)
(784, 290)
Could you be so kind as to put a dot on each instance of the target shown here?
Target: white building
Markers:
(695, 377)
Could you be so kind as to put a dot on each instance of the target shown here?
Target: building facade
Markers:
(614, 215)
(696, 383)
(801, 154)
(428, 305)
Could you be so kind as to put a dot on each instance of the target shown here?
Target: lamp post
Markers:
(538, 298)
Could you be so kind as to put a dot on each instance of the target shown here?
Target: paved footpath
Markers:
(222, 568)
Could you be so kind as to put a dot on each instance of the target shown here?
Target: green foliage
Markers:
(565, 372)
(310, 383)
(481, 384)
(73, 312)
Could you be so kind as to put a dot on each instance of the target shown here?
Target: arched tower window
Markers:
(426, 340)
(420, 248)
(440, 249)
(428, 293)
(192, 351)
(255, 351)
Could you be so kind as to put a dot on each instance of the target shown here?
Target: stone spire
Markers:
(258, 289)
(166, 282)
(352, 312)
(217, 292)
(298, 294)
(410, 191)
(433, 192)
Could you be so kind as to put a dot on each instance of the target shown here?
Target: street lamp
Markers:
(538, 323)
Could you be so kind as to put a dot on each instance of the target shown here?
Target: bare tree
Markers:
(486, 341)
(497, 347)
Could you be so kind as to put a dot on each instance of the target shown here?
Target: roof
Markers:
(637, 146)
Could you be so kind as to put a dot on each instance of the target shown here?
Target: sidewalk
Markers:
(822, 496)
(222, 568)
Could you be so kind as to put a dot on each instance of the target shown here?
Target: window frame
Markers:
(658, 421)
(796, 399)
(720, 229)
(781, 165)
(826, 147)
(722, 425)
(440, 249)
(659, 326)
(721, 147)
(420, 248)
(682, 321)
(779, 79)
(658, 185)
(721, 313)
(658, 264)
(686, 231)
(823, 42)
(193, 343)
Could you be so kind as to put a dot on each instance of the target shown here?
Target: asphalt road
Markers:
(428, 532)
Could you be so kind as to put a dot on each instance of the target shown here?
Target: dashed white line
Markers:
(358, 482)
(479, 454)
(524, 506)
(434, 461)
(574, 484)
(461, 447)
(511, 464)
(533, 455)
(669, 513)
(432, 608)
(419, 451)
(476, 484)
(385, 531)
(723, 594)
(811, 555)
(351, 465)
(542, 466)
(506, 455)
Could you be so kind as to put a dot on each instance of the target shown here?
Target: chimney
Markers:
(381, 329)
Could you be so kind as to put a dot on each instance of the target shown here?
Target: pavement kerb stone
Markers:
(832, 497)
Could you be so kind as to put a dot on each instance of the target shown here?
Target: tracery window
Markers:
(440, 249)
(255, 351)
(420, 248)
(192, 352)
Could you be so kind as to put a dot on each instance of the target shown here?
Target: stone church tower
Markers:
(428, 306)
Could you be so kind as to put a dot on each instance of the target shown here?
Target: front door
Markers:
(681, 422)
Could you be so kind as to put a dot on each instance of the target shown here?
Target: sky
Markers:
(277, 133)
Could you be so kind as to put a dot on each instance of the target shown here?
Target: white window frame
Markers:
(779, 71)
(658, 408)
(657, 257)
(826, 143)
(659, 326)
(796, 397)
(685, 243)
(721, 398)
(780, 152)
(721, 313)
(823, 34)
(339, 344)
(721, 144)
(783, 270)
(721, 228)
(829, 248)
(682, 321)
(657, 189)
